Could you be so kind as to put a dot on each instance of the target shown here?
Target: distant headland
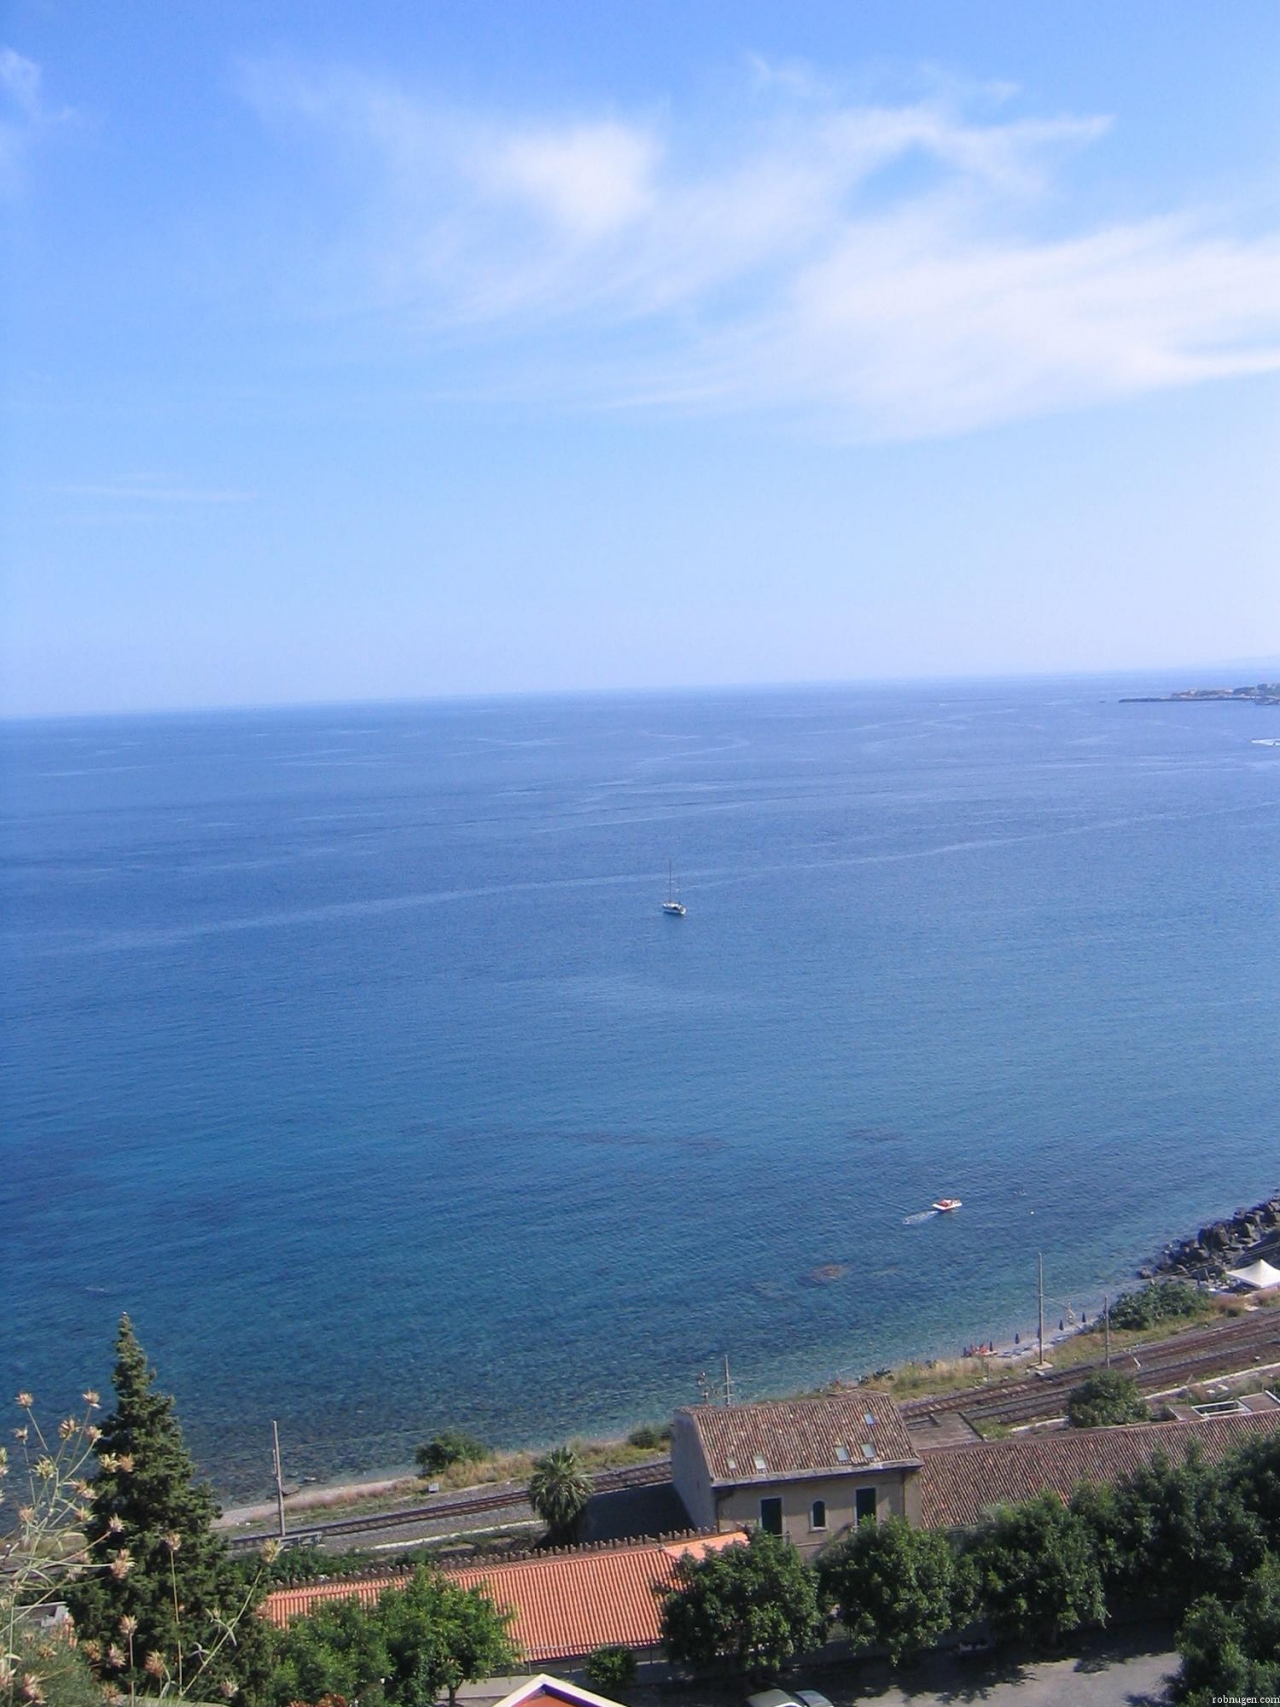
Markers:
(1264, 693)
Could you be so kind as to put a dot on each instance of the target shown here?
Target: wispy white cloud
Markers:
(897, 269)
(24, 114)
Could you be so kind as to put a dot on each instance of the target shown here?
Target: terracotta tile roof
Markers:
(958, 1483)
(283, 1604)
(564, 1605)
(801, 1437)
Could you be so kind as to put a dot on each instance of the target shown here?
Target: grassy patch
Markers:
(516, 1466)
(942, 1375)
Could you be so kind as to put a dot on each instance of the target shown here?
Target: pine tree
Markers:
(162, 1605)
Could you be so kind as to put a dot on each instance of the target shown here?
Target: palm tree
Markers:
(559, 1489)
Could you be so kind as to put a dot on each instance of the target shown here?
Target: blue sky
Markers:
(414, 349)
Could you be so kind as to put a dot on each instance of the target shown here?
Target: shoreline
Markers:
(1012, 1357)
(1198, 1259)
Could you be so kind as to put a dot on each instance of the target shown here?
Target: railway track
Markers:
(449, 1507)
(1158, 1366)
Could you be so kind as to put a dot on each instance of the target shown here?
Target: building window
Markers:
(771, 1516)
(818, 1515)
(864, 1505)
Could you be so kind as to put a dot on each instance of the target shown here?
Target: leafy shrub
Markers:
(47, 1671)
(650, 1436)
(451, 1446)
(1165, 1301)
(611, 1669)
(1105, 1398)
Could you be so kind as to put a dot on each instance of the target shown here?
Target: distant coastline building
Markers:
(809, 1469)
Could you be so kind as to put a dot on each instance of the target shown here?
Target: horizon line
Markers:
(674, 691)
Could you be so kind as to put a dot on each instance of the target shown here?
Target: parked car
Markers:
(788, 1698)
(975, 1645)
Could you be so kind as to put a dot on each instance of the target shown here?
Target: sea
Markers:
(350, 1052)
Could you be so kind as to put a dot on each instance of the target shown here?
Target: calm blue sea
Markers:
(349, 1051)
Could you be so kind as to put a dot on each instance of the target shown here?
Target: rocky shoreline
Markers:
(1208, 1254)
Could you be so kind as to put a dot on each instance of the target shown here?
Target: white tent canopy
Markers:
(1258, 1274)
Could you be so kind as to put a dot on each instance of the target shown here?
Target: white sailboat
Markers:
(673, 904)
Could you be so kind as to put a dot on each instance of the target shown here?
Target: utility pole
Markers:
(1040, 1271)
(275, 1438)
(1106, 1324)
(728, 1384)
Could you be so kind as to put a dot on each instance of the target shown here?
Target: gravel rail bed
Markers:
(460, 1506)
(1158, 1366)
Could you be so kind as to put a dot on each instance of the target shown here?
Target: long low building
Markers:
(959, 1484)
(565, 1604)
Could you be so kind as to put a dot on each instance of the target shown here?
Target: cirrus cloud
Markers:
(24, 114)
(892, 270)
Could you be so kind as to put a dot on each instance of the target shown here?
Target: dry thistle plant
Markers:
(43, 1540)
(52, 1547)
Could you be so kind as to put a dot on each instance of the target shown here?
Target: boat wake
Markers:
(924, 1215)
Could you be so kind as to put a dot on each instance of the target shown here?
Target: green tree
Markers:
(892, 1586)
(1192, 1532)
(1233, 1651)
(1116, 1535)
(1038, 1576)
(1252, 1472)
(417, 1643)
(163, 1607)
(745, 1606)
(440, 1636)
(611, 1669)
(451, 1446)
(339, 1647)
(1107, 1397)
(559, 1491)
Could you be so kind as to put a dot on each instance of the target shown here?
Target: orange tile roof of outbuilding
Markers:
(959, 1483)
(565, 1605)
(784, 1438)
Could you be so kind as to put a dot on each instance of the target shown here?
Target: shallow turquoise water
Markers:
(350, 1051)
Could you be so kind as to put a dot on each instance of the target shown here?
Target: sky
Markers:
(496, 346)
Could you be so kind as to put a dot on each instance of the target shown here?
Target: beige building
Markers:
(810, 1469)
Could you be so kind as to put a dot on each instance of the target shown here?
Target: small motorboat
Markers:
(945, 1205)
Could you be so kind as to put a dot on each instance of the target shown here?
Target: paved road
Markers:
(1131, 1669)
(1136, 1681)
